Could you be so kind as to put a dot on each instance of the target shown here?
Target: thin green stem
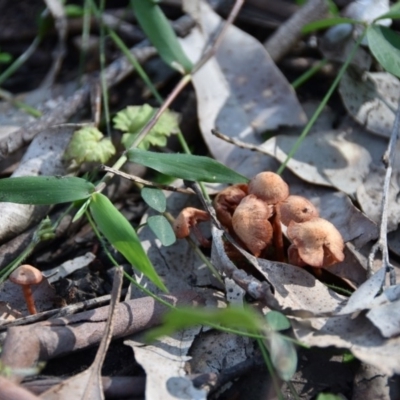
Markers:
(309, 73)
(20, 60)
(87, 13)
(103, 78)
(270, 367)
(141, 72)
(321, 106)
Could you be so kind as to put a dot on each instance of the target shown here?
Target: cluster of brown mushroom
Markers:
(253, 215)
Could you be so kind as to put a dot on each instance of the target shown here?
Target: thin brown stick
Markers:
(144, 182)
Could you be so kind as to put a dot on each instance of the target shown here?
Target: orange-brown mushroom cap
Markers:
(297, 209)
(250, 223)
(226, 202)
(318, 242)
(26, 275)
(187, 219)
(269, 187)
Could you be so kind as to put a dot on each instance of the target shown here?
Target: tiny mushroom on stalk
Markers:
(26, 276)
(315, 242)
(251, 225)
(188, 219)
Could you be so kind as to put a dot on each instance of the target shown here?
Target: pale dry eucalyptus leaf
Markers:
(240, 93)
(386, 318)
(224, 350)
(164, 363)
(339, 158)
(370, 196)
(364, 295)
(358, 335)
(371, 99)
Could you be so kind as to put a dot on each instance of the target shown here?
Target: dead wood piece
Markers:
(115, 387)
(289, 33)
(26, 345)
(11, 391)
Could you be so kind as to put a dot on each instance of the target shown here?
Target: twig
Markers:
(290, 32)
(238, 142)
(144, 182)
(381, 245)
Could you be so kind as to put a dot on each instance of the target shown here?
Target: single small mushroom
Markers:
(297, 209)
(318, 242)
(26, 276)
(251, 225)
(188, 219)
(269, 187)
(226, 201)
(272, 189)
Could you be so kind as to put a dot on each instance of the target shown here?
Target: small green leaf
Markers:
(158, 29)
(277, 321)
(89, 145)
(385, 46)
(329, 396)
(133, 118)
(187, 166)
(283, 355)
(119, 232)
(162, 229)
(155, 198)
(44, 189)
(233, 317)
(326, 23)
(5, 58)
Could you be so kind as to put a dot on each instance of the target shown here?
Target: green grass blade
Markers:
(119, 232)
(233, 317)
(385, 46)
(44, 189)
(326, 23)
(186, 166)
(161, 35)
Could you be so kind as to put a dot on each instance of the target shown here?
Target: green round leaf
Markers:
(162, 229)
(154, 198)
(277, 321)
(283, 355)
(385, 46)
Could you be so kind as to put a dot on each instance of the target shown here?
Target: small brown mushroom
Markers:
(297, 209)
(226, 201)
(250, 223)
(188, 219)
(26, 276)
(269, 187)
(318, 242)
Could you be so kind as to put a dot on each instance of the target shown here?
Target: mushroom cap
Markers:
(269, 187)
(297, 209)
(186, 219)
(250, 223)
(318, 242)
(26, 275)
(226, 202)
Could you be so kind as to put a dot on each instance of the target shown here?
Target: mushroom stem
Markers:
(29, 299)
(277, 238)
